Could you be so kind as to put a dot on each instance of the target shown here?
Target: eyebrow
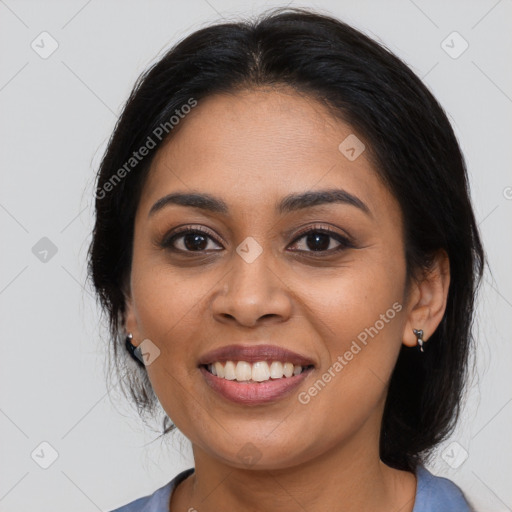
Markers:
(290, 203)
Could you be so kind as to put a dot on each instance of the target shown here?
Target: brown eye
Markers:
(195, 241)
(321, 240)
(318, 241)
(190, 240)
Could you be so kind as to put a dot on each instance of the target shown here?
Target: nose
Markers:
(252, 293)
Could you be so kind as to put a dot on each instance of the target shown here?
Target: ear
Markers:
(130, 320)
(427, 299)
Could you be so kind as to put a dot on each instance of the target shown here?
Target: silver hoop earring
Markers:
(133, 350)
(419, 337)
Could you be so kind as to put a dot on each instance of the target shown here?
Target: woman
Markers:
(286, 248)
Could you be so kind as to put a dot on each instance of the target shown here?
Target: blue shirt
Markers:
(433, 494)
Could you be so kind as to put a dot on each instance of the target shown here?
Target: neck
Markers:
(350, 477)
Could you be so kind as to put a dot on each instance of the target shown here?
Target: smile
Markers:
(260, 371)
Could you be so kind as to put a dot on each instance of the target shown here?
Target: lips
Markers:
(254, 374)
(254, 393)
(254, 354)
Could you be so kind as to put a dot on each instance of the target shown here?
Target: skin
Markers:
(252, 148)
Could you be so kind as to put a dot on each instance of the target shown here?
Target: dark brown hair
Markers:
(414, 150)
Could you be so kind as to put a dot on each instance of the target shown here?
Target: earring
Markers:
(419, 336)
(133, 350)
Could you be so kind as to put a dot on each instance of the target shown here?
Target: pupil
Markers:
(195, 241)
(319, 241)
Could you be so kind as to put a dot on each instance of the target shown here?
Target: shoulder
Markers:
(437, 494)
(158, 501)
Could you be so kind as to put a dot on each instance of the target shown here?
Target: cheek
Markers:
(349, 389)
(166, 308)
(359, 315)
(354, 299)
(166, 299)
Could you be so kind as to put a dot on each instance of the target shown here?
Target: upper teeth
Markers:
(259, 372)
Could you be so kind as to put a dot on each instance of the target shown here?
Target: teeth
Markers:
(276, 370)
(229, 370)
(242, 371)
(288, 369)
(219, 370)
(260, 371)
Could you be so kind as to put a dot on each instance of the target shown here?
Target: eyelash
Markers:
(345, 242)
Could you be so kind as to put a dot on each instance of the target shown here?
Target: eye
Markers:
(189, 240)
(198, 240)
(319, 240)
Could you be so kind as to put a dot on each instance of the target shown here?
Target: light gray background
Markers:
(56, 115)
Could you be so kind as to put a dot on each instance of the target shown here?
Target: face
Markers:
(266, 265)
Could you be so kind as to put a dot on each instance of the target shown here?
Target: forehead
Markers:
(255, 146)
